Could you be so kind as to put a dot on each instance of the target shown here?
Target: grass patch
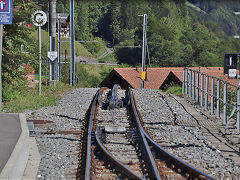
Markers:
(100, 52)
(92, 75)
(97, 69)
(29, 99)
(17, 99)
(177, 90)
(113, 59)
(80, 50)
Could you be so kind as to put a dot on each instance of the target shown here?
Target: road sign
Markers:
(52, 55)
(6, 11)
(39, 18)
(232, 73)
(230, 62)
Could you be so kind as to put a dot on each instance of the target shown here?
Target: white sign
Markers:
(52, 55)
(39, 18)
(232, 73)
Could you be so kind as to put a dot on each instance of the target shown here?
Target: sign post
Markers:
(5, 18)
(39, 18)
(72, 44)
(59, 48)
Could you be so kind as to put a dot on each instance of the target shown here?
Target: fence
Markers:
(214, 94)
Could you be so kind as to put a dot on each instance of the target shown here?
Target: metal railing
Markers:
(214, 94)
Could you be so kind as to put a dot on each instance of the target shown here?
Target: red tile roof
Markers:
(157, 75)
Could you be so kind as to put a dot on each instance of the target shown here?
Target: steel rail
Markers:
(193, 172)
(151, 160)
(151, 166)
(117, 164)
(89, 138)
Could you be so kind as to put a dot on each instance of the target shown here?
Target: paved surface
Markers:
(214, 130)
(33, 160)
(10, 130)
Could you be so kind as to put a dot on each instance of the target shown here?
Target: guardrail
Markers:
(214, 94)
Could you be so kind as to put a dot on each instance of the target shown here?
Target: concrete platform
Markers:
(14, 146)
(33, 161)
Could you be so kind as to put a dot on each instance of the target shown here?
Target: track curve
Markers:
(144, 158)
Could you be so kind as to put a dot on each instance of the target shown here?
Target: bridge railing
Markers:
(214, 94)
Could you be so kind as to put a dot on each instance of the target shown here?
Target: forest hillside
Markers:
(179, 32)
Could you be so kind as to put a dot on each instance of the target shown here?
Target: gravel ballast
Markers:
(59, 152)
(162, 115)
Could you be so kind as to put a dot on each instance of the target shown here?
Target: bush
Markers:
(177, 90)
(10, 94)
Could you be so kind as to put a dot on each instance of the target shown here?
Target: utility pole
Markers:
(238, 92)
(1, 40)
(52, 20)
(59, 48)
(72, 32)
(143, 75)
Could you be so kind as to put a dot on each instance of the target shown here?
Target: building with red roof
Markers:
(157, 77)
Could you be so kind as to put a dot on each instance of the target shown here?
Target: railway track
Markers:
(115, 145)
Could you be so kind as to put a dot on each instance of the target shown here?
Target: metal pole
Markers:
(1, 36)
(225, 103)
(40, 61)
(202, 82)
(47, 47)
(186, 74)
(218, 97)
(59, 48)
(52, 12)
(72, 68)
(206, 92)
(65, 77)
(198, 86)
(183, 83)
(212, 95)
(190, 83)
(144, 49)
(238, 108)
(194, 85)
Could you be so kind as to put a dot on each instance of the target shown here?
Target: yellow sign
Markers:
(143, 75)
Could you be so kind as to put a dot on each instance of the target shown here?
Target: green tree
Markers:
(15, 35)
(95, 14)
(114, 26)
(81, 20)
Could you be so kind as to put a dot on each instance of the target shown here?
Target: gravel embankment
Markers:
(187, 143)
(59, 152)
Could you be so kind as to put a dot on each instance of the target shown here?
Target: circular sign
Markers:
(2, 3)
(39, 18)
